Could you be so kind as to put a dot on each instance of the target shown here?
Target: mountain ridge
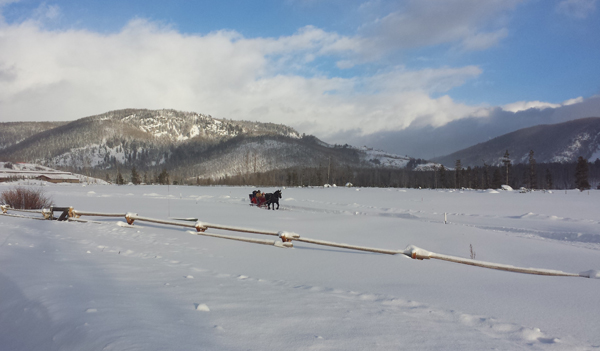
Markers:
(189, 143)
(13, 133)
(552, 143)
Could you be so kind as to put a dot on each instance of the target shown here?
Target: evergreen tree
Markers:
(497, 179)
(120, 180)
(163, 177)
(582, 174)
(457, 174)
(135, 177)
(443, 176)
(549, 184)
(507, 165)
(107, 178)
(469, 175)
(486, 176)
(532, 175)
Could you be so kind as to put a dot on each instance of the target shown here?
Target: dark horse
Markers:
(273, 199)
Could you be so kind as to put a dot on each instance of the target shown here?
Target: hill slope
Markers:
(562, 142)
(191, 144)
(12, 133)
(124, 133)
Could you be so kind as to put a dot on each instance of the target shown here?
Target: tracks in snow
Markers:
(375, 321)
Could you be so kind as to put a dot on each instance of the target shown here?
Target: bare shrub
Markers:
(472, 251)
(25, 198)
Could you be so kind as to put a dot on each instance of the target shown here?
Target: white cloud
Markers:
(6, 2)
(482, 41)
(389, 27)
(573, 101)
(63, 75)
(428, 80)
(526, 105)
(468, 24)
(45, 12)
(428, 142)
(539, 105)
(2, 4)
(576, 8)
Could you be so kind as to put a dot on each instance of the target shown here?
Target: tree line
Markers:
(531, 176)
(546, 176)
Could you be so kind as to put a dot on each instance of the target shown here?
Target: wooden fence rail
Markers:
(287, 238)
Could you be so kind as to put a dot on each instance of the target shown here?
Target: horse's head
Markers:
(277, 193)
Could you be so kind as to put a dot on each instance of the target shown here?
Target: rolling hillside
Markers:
(561, 143)
(187, 143)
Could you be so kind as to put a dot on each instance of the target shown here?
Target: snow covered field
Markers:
(86, 286)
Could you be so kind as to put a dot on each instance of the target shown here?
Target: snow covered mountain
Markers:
(192, 144)
(179, 126)
(379, 158)
(561, 143)
(141, 137)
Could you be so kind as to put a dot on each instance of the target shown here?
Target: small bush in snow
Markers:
(25, 198)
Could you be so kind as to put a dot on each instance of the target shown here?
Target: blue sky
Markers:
(325, 67)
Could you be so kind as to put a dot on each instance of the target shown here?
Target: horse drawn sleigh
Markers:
(265, 199)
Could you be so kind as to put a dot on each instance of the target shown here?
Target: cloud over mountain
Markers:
(367, 82)
(71, 73)
(428, 141)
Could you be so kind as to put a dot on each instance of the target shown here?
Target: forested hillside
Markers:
(560, 143)
(12, 133)
(190, 146)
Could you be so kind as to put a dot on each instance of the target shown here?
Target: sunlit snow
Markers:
(111, 286)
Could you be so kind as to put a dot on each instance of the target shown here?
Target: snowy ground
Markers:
(85, 286)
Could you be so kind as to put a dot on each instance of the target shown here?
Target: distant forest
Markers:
(546, 176)
(536, 176)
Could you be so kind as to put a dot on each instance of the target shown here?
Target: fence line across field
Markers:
(98, 214)
(244, 239)
(287, 238)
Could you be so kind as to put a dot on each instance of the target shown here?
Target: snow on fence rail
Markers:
(421, 254)
(248, 240)
(68, 213)
(98, 214)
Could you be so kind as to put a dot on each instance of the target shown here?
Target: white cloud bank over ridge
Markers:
(62, 75)
(540, 105)
(68, 74)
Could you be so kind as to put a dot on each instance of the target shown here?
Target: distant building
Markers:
(10, 172)
(58, 178)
